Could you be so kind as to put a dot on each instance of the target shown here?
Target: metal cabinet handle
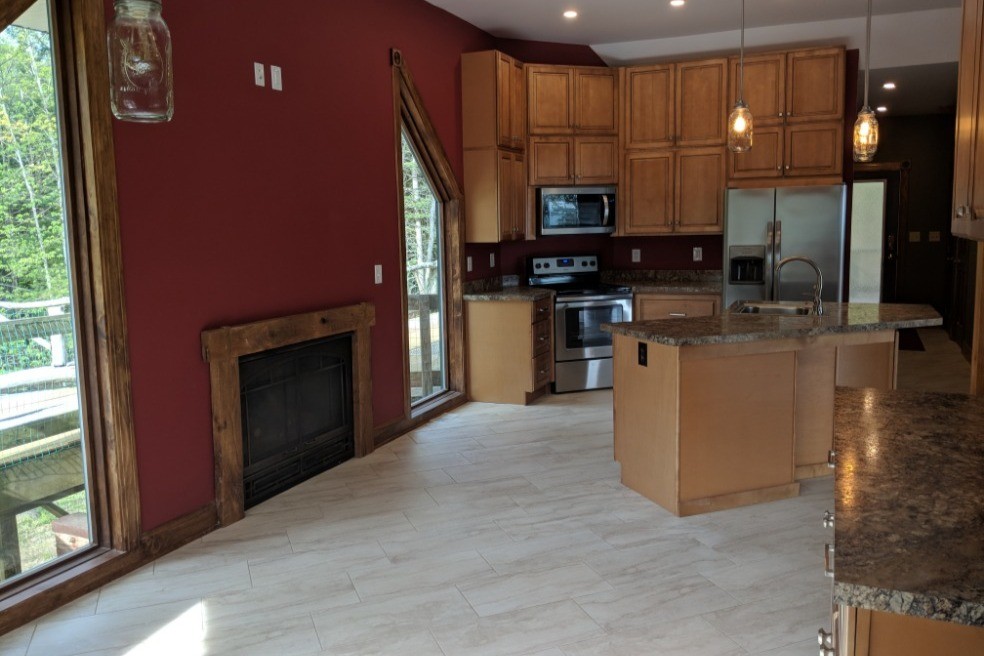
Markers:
(828, 519)
(831, 458)
(780, 114)
(678, 314)
(787, 167)
(779, 168)
(962, 211)
(825, 638)
(828, 560)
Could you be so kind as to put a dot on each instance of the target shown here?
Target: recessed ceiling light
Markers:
(677, 3)
(570, 13)
(888, 85)
(882, 108)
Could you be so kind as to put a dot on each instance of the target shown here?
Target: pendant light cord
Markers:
(867, 55)
(741, 56)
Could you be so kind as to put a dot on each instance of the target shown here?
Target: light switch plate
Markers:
(492, 260)
(378, 274)
(698, 253)
(915, 236)
(636, 255)
(934, 235)
(468, 263)
(276, 79)
(259, 74)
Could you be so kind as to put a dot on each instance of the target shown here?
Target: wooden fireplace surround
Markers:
(222, 348)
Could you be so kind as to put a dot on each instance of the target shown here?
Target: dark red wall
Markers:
(253, 203)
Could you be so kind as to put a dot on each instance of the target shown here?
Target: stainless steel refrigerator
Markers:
(762, 226)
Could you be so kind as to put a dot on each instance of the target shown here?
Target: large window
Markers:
(423, 237)
(44, 508)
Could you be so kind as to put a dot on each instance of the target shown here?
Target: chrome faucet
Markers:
(817, 288)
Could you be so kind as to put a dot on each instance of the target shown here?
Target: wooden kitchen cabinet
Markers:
(572, 100)
(879, 633)
(797, 100)
(968, 157)
(673, 191)
(647, 306)
(649, 94)
(493, 101)
(510, 350)
(701, 102)
(495, 198)
(573, 160)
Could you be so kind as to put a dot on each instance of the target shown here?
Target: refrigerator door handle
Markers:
(769, 262)
(778, 241)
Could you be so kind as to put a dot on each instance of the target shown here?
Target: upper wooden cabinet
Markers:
(968, 156)
(683, 105)
(573, 160)
(649, 94)
(495, 195)
(814, 85)
(701, 105)
(569, 100)
(802, 152)
(673, 191)
(764, 88)
(493, 101)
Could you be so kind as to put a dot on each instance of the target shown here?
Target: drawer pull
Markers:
(828, 560)
(831, 458)
(826, 639)
(678, 314)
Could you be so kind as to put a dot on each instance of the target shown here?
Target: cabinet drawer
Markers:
(657, 306)
(541, 369)
(541, 309)
(541, 337)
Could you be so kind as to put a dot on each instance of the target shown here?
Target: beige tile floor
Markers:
(492, 530)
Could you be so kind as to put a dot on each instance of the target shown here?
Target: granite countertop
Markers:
(512, 294)
(730, 328)
(682, 287)
(909, 503)
(666, 282)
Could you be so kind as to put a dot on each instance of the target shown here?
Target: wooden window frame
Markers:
(79, 46)
(409, 111)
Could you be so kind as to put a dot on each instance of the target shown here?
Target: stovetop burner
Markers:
(571, 275)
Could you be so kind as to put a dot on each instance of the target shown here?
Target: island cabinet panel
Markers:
(735, 438)
(869, 365)
(764, 88)
(814, 429)
(649, 93)
(878, 633)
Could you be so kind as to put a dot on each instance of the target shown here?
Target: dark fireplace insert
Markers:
(296, 414)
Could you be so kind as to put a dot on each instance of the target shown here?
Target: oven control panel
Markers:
(565, 264)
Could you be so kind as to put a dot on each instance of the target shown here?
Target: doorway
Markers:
(878, 249)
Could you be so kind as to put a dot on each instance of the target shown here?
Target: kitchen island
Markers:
(723, 411)
(909, 523)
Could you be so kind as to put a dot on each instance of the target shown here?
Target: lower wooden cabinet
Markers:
(646, 306)
(879, 633)
(509, 345)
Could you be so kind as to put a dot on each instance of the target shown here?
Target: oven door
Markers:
(577, 326)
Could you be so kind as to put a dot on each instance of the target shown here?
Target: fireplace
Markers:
(286, 340)
(296, 414)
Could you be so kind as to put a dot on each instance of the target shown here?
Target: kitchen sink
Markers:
(782, 309)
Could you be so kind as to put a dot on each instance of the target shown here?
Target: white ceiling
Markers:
(909, 37)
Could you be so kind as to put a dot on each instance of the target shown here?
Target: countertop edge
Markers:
(908, 603)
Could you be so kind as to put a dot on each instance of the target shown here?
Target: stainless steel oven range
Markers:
(582, 351)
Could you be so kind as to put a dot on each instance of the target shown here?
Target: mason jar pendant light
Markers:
(866, 127)
(740, 120)
(140, 75)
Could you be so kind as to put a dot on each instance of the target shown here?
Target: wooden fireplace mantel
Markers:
(222, 348)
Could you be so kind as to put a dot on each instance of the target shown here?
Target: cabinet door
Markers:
(967, 123)
(517, 175)
(702, 107)
(551, 99)
(649, 106)
(507, 196)
(596, 100)
(665, 306)
(595, 160)
(647, 193)
(517, 99)
(764, 160)
(764, 88)
(551, 161)
(814, 149)
(815, 85)
(503, 101)
(700, 183)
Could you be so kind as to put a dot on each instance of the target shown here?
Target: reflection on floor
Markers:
(940, 368)
(493, 530)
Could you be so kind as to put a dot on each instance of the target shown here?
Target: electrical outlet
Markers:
(934, 235)
(276, 79)
(698, 253)
(492, 260)
(468, 263)
(636, 255)
(259, 74)
(915, 236)
(643, 354)
(378, 274)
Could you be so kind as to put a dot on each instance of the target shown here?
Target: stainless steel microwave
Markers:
(577, 210)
